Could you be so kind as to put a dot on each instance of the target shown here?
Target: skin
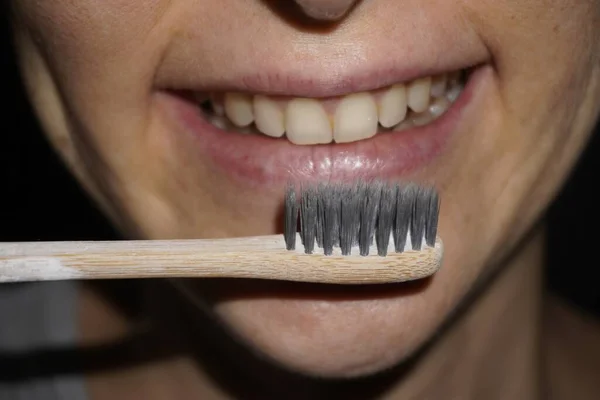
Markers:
(93, 71)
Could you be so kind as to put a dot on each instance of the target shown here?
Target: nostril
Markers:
(327, 10)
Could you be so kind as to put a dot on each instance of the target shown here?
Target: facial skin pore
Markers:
(99, 75)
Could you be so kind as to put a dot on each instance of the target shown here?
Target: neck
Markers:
(492, 351)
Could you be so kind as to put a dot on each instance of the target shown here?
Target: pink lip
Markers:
(258, 160)
(321, 81)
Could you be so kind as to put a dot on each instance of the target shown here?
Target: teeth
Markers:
(454, 92)
(345, 119)
(439, 106)
(392, 106)
(238, 108)
(217, 106)
(404, 125)
(268, 116)
(454, 78)
(438, 86)
(218, 121)
(421, 119)
(306, 122)
(418, 94)
(436, 109)
(355, 118)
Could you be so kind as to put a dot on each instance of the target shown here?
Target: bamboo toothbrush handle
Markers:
(263, 257)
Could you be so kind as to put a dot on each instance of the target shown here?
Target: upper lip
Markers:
(328, 83)
(319, 75)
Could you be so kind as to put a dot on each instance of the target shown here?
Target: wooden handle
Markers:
(262, 257)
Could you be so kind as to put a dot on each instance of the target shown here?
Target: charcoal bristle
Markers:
(404, 207)
(308, 219)
(290, 223)
(360, 215)
(359, 195)
(385, 220)
(321, 198)
(433, 213)
(368, 216)
(350, 219)
(331, 203)
(335, 214)
(419, 218)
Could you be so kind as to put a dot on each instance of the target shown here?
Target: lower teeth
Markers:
(224, 124)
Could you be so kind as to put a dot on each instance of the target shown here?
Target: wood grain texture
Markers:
(262, 257)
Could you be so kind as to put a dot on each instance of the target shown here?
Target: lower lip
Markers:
(257, 160)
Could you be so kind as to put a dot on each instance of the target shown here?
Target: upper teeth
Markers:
(349, 118)
(306, 122)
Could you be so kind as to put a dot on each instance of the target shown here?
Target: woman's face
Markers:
(121, 89)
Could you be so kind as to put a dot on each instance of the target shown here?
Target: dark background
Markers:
(40, 201)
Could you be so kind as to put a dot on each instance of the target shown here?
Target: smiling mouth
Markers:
(263, 140)
(344, 119)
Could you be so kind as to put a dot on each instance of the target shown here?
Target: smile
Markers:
(344, 119)
(265, 140)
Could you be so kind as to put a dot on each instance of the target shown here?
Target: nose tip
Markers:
(326, 10)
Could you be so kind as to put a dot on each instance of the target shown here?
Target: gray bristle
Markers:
(349, 219)
(331, 233)
(320, 202)
(346, 217)
(419, 218)
(431, 221)
(385, 221)
(404, 206)
(290, 225)
(368, 217)
(308, 219)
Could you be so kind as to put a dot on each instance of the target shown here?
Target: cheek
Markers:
(537, 118)
(98, 51)
(94, 63)
(90, 23)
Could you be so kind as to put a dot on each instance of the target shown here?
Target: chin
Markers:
(330, 331)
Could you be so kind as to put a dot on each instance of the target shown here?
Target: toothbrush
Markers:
(363, 233)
